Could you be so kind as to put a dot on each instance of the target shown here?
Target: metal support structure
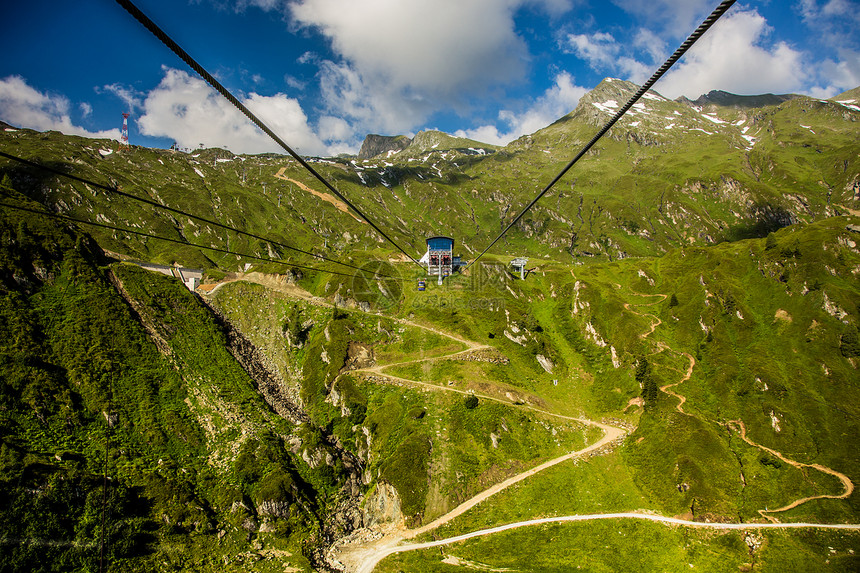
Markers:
(520, 264)
(123, 140)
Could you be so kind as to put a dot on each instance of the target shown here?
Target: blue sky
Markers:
(324, 73)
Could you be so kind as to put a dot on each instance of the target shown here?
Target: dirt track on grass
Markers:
(385, 550)
(846, 482)
(662, 346)
(366, 560)
(363, 557)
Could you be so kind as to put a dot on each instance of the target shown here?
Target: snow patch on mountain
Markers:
(608, 106)
(712, 118)
(653, 97)
(849, 103)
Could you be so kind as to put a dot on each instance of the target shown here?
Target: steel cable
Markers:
(177, 49)
(115, 190)
(168, 239)
(703, 27)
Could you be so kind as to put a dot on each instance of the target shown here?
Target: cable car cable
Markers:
(703, 27)
(116, 191)
(176, 49)
(168, 239)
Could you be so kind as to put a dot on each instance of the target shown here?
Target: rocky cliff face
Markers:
(382, 506)
(726, 99)
(375, 145)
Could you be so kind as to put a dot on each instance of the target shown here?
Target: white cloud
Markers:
(555, 7)
(187, 110)
(86, 109)
(811, 10)
(398, 61)
(24, 106)
(834, 24)
(837, 76)
(132, 99)
(295, 83)
(678, 18)
(332, 128)
(734, 56)
(598, 49)
(436, 47)
(556, 102)
(603, 53)
(267, 5)
(652, 44)
(368, 105)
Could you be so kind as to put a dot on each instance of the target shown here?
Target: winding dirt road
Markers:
(846, 483)
(363, 557)
(662, 346)
(389, 545)
(389, 549)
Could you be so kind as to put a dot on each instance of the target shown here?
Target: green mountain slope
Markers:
(668, 174)
(694, 286)
(129, 428)
(769, 328)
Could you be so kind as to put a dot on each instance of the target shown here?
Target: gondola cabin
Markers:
(440, 256)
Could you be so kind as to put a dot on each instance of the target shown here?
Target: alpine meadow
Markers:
(668, 383)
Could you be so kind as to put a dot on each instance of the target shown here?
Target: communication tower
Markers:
(123, 142)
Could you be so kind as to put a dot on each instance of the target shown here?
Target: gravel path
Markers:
(363, 557)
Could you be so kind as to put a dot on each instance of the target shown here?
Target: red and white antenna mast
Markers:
(123, 142)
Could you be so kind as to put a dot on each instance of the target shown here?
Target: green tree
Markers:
(729, 304)
(770, 242)
(650, 391)
(849, 344)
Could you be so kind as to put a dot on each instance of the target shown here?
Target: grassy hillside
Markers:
(130, 432)
(695, 282)
(669, 174)
(411, 439)
(769, 325)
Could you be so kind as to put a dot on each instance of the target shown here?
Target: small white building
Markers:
(190, 277)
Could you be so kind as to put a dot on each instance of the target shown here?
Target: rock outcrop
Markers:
(382, 506)
(375, 145)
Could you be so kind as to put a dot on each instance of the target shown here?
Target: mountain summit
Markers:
(375, 145)
(726, 99)
(289, 402)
